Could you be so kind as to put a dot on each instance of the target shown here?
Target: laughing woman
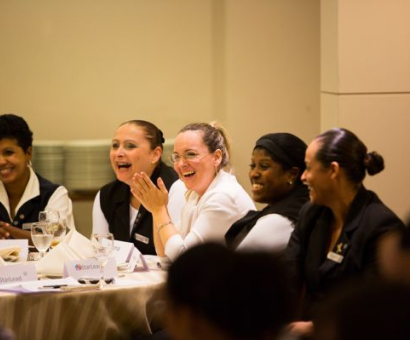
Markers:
(137, 146)
(278, 161)
(214, 198)
(23, 193)
(336, 235)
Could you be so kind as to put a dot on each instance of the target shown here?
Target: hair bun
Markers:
(374, 163)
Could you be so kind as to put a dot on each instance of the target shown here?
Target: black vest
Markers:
(115, 205)
(288, 207)
(28, 212)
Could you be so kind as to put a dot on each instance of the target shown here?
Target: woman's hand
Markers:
(304, 328)
(4, 234)
(152, 198)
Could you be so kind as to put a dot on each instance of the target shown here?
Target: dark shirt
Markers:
(115, 205)
(353, 255)
(29, 211)
(288, 207)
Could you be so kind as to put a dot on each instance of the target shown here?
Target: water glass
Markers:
(42, 235)
(103, 245)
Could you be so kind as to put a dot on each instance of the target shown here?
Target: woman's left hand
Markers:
(152, 198)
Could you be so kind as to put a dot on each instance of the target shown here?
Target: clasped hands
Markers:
(3, 233)
(153, 198)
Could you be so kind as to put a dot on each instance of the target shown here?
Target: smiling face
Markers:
(131, 152)
(269, 181)
(13, 163)
(198, 172)
(316, 176)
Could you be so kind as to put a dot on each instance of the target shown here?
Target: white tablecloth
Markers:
(112, 313)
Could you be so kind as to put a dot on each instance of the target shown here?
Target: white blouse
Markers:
(208, 218)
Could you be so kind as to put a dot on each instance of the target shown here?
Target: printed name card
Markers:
(128, 257)
(17, 273)
(23, 244)
(89, 268)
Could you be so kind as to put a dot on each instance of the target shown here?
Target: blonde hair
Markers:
(214, 137)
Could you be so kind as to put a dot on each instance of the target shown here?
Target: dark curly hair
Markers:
(15, 127)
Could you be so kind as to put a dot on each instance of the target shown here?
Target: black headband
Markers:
(277, 153)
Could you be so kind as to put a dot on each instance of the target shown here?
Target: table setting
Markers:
(76, 278)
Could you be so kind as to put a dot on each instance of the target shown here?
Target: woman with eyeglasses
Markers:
(214, 199)
(137, 146)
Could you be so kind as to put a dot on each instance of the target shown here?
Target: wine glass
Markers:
(59, 226)
(60, 229)
(42, 235)
(103, 244)
(49, 216)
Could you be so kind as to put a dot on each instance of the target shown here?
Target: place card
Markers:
(23, 244)
(128, 257)
(17, 273)
(89, 268)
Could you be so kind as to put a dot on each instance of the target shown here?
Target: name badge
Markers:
(335, 257)
(23, 244)
(128, 257)
(89, 268)
(141, 238)
(17, 273)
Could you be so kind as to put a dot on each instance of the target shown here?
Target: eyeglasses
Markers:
(188, 156)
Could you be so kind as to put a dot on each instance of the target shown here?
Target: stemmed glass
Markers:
(42, 235)
(58, 225)
(103, 244)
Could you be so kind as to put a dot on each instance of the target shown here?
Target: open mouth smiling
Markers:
(257, 186)
(5, 171)
(188, 173)
(123, 165)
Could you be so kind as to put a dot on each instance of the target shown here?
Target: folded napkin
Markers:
(75, 246)
(2, 262)
(10, 254)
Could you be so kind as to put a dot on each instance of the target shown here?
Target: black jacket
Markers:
(355, 249)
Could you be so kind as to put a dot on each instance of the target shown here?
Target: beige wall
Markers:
(77, 69)
(365, 85)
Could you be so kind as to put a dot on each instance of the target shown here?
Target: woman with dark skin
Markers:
(276, 167)
(337, 231)
(23, 193)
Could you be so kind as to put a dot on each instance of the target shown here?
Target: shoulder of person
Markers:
(378, 213)
(45, 183)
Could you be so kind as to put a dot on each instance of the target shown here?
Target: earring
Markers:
(290, 182)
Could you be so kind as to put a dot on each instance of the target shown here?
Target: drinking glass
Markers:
(103, 244)
(49, 216)
(42, 235)
(60, 229)
(59, 226)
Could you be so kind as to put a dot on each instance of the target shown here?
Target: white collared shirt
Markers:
(58, 201)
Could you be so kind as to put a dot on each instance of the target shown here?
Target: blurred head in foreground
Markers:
(376, 310)
(215, 293)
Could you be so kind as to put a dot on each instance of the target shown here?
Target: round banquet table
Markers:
(112, 313)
